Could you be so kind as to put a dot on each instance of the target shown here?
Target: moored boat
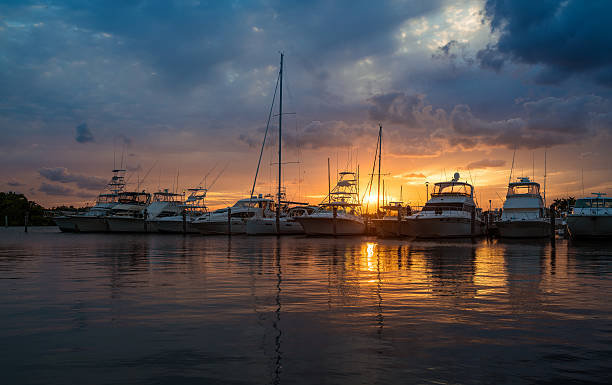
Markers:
(450, 213)
(233, 220)
(591, 217)
(523, 214)
(341, 214)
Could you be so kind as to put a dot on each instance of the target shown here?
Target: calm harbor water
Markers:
(153, 309)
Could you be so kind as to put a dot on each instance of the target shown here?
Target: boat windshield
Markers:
(134, 197)
(587, 203)
(107, 198)
(452, 188)
(254, 204)
(523, 189)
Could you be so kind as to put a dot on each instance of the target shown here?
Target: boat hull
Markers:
(127, 225)
(220, 227)
(65, 224)
(175, 227)
(267, 226)
(442, 227)
(523, 229)
(390, 227)
(325, 226)
(589, 226)
(90, 224)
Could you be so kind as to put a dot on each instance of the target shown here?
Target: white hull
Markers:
(442, 227)
(263, 226)
(91, 224)
(173, 227)
(127, 225)
(325, 226)
(589, 226)
(65, 224)
(220, 227)
(524, 229)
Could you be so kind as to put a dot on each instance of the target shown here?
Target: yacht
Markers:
(192, 208)
(129, 214)
(341, 214)
(450, 212)
(233, 220)
(524, 213)
(287, 222)
(591, 217)
(94, 220)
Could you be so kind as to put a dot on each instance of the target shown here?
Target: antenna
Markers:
(544, 177)
(533, 167)
(582, 178)
(512, 167)
(379, 160)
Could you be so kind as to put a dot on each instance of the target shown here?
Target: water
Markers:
(155, 309)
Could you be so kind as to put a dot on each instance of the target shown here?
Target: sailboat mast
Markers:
(379, 159)
(280, 147)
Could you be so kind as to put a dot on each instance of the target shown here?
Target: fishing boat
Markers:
(192, 209)
(233, 220)
(450, 213)
(93, 220)
(591, 217)
(130, 212)
(523, 213)
(341, 214)
(390, 225)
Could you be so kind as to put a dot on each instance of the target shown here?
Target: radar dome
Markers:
(456, 176)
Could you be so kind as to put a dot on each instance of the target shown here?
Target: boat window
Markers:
(444, 206)
(583, 203)
(452, 189)
(524, 189)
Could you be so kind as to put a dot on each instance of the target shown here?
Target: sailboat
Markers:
(284, 220)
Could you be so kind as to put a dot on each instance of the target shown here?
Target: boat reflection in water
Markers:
(219, 309)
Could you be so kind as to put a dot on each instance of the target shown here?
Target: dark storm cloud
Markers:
(567, 37)
(62, 175)
(486, 163)
(407, 110)
(54, 189)
(83, 134)
(545, 122)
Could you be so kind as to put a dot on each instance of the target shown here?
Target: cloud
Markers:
(405, 109)
(486, 163)
(410, 175)
(14, 183)
(62, 175)
(83, 134)
(566, 37)
(54, 189)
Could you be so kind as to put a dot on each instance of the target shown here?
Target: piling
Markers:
(6, 221)
(184, 222)
(229, 221)
(552, 226)
(335, 215)
(399, 221)
(25, 221)
(473, 222)
(145, 220)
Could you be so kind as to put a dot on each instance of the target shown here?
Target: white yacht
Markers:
(341, 214)
(524, 213)
(234, 219)
(192, 209)
(287, 222)
(129, 214)
(447, 214)
(591, 217)
(94, 219)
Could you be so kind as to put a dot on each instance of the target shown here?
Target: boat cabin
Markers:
(453, 188)
(138, 198)
(524, 187)
(598, 202)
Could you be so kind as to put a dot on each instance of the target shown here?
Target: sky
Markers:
(180, 90)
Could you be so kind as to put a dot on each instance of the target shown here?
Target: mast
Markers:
(512, 168)
(328, 183)
(280, 147)
(544, 178)
(379, 159)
